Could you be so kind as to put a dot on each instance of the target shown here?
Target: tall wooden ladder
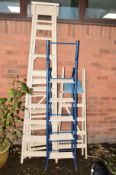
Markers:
(44, 17)
(70, 136)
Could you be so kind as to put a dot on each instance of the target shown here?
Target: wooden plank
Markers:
(62, 136)
(42, 38)
(61, 155)
(38, 89)
(36, 122)
(37, 116)
(39, 111)
(44, 27)
(36, 139)
(62, 80)
(61, 118)
(68, 146)
(40, 73)
(36, 106)
(38, 127)
(35, 153)
(36, 81)
(66, 100)
(43, 21)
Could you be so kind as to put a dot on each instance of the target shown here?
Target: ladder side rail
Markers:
(84, 126)
(75, 98)
(26, 129)
(54, 75)
(47, 101)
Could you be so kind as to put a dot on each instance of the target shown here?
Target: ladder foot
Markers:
(46, 164)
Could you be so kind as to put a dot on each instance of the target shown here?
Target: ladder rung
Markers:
(40, 73)
(38, 116)
(38, 81)
(42, 21)
(42, 38)
(36, 139)
(35, 153)
(66, 100)
(34, 56)
(68, 145)
(38, 95)
(61, 118)
(36, 122)
(39, 89)
(38, 56)
(36, 106)
(38, 127)
(61, 136)
(60, 80)
(44, 27)
(61, 155)
(38, 111)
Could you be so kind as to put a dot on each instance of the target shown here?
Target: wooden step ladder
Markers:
(44, 17)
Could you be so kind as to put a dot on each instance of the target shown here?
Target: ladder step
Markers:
(36, 122)
(36, 81)
(62, 80)
(36, 106)
(44, 27)
(61, 136)
(38, 56)
(66, 100)
(35, 153)
(34, 56)
(61, 118)
(38, 127)
(42, 38)
(36, 139)
(42, 21)
(39, 89)
(61, 155)
(68, 145)
(39, 111)
(65, 118)
(38, 116)
(40, 73)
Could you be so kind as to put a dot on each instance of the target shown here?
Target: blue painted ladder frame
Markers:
(48, 94)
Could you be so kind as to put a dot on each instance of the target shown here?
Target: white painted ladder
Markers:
(43, 28)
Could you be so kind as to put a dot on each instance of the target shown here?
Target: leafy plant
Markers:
(11, 109)
(106, 155)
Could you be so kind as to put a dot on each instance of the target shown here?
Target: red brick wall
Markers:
(97, 54)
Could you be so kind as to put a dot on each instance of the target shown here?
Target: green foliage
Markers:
(10, 111)
(110, 161)
(106, 155)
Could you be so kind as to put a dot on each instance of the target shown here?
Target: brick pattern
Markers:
(97, 54)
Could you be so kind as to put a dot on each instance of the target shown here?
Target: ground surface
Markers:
(35, 166)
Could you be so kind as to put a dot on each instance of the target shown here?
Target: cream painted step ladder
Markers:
(43, 28)
(82, 118)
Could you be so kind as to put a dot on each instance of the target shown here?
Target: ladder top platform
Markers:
(45, 4)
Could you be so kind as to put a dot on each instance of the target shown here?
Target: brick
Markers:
(104, 51)
(97, 54)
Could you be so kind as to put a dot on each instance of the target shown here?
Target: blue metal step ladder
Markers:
(61, 137)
